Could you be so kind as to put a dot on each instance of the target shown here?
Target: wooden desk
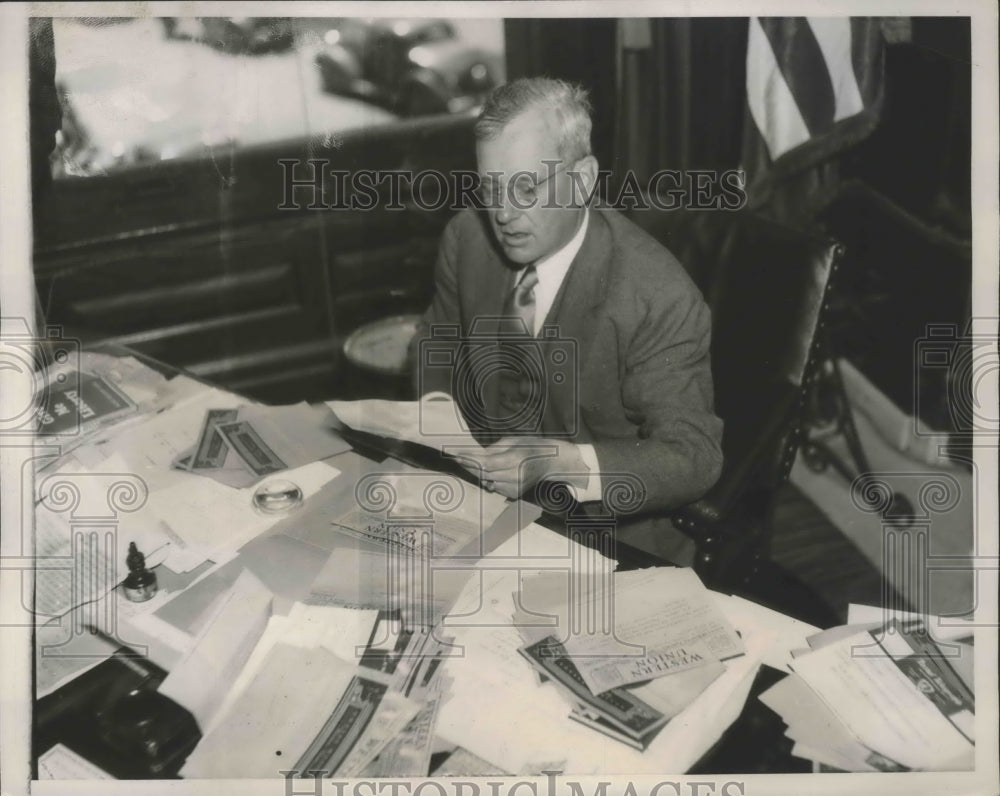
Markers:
(755, 742)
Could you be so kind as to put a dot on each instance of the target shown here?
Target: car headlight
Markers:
(477, 79)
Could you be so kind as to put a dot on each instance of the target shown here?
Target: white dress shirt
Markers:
(551, 273)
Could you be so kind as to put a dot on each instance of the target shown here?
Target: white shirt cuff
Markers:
(436, 395)
(593, 489)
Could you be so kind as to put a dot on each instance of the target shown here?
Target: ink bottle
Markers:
(140, 584)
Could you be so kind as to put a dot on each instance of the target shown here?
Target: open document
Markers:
(432, 422)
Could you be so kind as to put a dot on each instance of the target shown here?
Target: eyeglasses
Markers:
(523, 190)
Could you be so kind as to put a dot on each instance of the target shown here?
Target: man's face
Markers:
(528, 143)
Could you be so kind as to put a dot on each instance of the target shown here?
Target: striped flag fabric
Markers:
(814, 87)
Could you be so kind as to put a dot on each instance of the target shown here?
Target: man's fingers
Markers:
(510, 488)
(501, 464)
(505, 443)
(472, 465)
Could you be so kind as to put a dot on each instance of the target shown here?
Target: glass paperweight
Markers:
(277, 497)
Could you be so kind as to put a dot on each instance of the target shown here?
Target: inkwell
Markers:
(140, 584)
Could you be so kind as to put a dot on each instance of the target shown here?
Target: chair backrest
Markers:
(766, 285)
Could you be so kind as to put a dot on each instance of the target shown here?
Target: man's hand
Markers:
(515, 464)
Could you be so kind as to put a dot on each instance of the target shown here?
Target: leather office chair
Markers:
(767, 286)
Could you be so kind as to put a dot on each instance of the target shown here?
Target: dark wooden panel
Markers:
(235, 185)
(195, 263)
(194, 299)
(138, 201)
(407, 262)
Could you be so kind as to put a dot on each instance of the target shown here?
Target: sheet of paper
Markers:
(672, 694)
(882, 707)
(210, 517)
(432, 423)
(486, 671)
(657, 621)
(382, 580)
(810, 722)
(748, 616)
(340, 631)
(420, 511)
(942, 628)
(202, 678)
(524, 554)
(822, 756)
(275, 719)
(68, 572)
(491, 675)
(76, 561)
(60, 762)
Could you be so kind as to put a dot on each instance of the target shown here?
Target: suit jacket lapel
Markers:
(572, 312)
(493, 282)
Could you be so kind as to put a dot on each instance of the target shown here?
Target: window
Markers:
(137, 91)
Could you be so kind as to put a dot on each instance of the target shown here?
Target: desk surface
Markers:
(754, 743)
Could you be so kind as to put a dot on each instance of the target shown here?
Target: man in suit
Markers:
(579, 346)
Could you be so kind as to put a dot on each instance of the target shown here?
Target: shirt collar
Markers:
(553, 268)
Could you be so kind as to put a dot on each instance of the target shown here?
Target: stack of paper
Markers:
(239, 446)
(490, 677)
(883, 697)
(328, 691)
(630, 652)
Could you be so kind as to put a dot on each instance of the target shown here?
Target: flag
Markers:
(814, 87)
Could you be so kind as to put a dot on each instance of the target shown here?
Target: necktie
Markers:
(521, 302)
(520, 377)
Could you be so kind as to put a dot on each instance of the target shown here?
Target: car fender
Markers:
(423, 91)
(339, 68)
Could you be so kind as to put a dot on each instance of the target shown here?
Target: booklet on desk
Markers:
(240, 446)
(664, 622)
(80, 399)
(629, 714)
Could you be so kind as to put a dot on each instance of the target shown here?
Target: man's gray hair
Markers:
(568, 104)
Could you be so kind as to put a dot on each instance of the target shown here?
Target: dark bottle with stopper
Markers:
(140, 584)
